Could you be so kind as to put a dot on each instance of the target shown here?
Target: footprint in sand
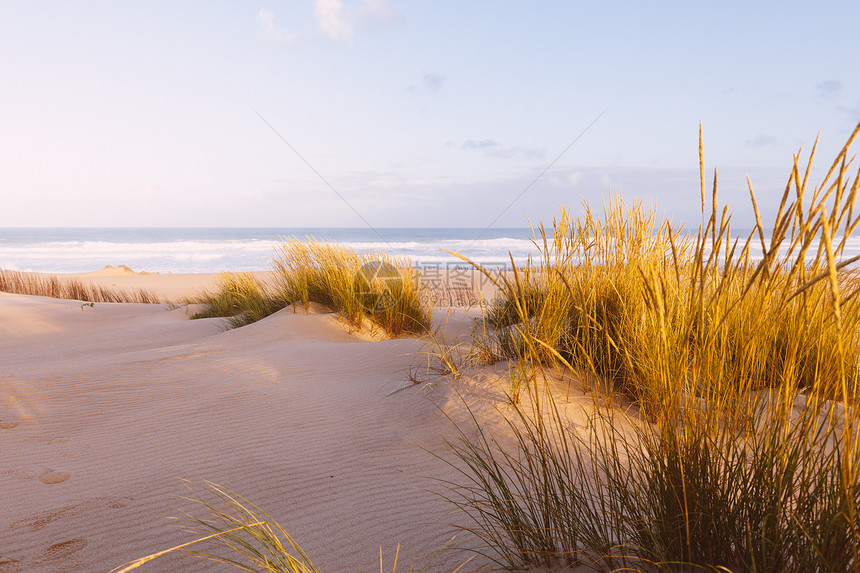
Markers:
(7, 425)
(64, 549)
(54, 477)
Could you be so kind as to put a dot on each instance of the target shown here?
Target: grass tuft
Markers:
(17, 282)
(239, 296)
(745, 454)
(361, 286)
(373, 286)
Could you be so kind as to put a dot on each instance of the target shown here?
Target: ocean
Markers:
(209, 250)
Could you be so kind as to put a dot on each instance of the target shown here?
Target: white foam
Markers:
(253, 253)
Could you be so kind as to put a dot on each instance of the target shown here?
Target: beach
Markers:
(379, 445)
(106, 409)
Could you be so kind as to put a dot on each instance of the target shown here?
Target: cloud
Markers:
(269, 32)
(828, 89)
(565, 180)
(485, 144)
(332, 20)
(430, 83)
(338, 22)
(491, 148)
(761, 140)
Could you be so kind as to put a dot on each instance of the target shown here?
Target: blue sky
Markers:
(417, 113)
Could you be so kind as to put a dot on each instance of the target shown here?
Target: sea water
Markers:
(206, 250)
(209, 250)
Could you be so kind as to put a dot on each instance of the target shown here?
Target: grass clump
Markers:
(645, 307)
(741, 451)
(17, 282)
(241, 297)
(361, 286)
(624, 494)
(373, 286)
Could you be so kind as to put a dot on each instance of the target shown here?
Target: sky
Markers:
(387, 113)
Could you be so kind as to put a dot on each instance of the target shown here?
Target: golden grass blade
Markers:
(143, 560)
(825, 275)
(17, 282)
(702, 169)
(758, 224)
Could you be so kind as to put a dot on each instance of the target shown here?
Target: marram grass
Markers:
(739, 449)
(17, 282)
(234, 531)
(241, 297)
(361, 286)
(745, 452)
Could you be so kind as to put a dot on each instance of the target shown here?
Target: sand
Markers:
(104, 410)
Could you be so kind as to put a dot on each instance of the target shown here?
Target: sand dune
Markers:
(104, 409)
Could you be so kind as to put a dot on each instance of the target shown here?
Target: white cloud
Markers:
(574, 178)
(269, 32)
(485, 144)
(338, 21)
(332, 20)
(491, 148)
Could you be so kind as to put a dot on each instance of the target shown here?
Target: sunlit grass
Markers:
(361, 286)
(737, 447)
(232, 530)
(17, 282)
(744, 454)
(241, 297)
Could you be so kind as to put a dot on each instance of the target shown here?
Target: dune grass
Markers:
(240, 297)
(236, 532)
(252, 539)
(17, 282)
(737, 448)
(742, 453)
(361, 286)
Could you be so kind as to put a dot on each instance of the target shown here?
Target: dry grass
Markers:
(360, 286)
(742, 452)
(240, 534)
(240, 297)
(373, 286)
(16, 282)
(746, 456)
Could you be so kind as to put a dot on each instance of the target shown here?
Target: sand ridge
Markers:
(105, 409)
